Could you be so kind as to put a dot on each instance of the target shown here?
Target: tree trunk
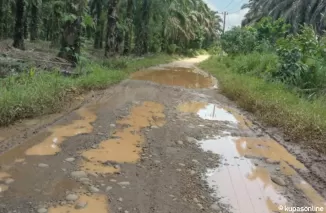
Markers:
(25, 25)
(143, 36)
(2, 23)
(19, 25)
(111, 29)
(98, 38)
(34, 21)
(128, 34)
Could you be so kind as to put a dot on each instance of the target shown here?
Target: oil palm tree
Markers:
(19, 25)
(294, 12)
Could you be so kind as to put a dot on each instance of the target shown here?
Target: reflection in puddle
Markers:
(239, 182)
(51, 145)
(246, 187)
(215, 113)
(266, 148)
(175, 76)
(95, 204)
(125, 145)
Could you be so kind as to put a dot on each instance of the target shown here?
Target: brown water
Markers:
(125, 147)
(51, 145)
(95, 204)
(247, 186)
(175, 76)
(312, 195)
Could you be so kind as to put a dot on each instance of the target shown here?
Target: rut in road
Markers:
(162, 141)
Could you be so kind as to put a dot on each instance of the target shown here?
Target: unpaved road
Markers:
(164, 141)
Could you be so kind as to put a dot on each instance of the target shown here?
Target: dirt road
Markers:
(163, 141)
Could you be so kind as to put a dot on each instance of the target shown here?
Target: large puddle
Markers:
(175, 76)
(51, 145)
(214, 112)
(245, 183)
(125, 144)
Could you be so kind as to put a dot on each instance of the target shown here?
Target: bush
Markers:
(172, 48)
(239, 41)
(258, 64)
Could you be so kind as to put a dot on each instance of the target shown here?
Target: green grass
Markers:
(301, 120)
(37, 93)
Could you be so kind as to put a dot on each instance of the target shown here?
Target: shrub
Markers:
(239, 40)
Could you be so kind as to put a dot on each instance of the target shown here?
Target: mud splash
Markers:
(175, 76)
(51, 145)
(241, 184)
(95, 203)
(214, 112)
(125, 144)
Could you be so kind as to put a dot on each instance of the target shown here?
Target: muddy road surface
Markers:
(163, 141)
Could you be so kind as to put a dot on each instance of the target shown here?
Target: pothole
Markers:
(175, 76)
(243, 180)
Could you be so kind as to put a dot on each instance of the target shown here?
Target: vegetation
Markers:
(294, 12)
(277, 72)
(125, 26)
(36, 93)
(89, 44)
(302, 120)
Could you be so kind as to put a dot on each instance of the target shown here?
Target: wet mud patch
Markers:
(124, 145)
(96, 203)
(51, 145)
(175, 76)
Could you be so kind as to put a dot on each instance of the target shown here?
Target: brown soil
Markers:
(172, 145)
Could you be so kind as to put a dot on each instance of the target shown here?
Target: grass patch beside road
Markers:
(301, 120)
(37, 93)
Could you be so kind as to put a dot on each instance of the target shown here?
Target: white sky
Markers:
(232, 7)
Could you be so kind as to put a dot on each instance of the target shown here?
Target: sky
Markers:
(233, 7)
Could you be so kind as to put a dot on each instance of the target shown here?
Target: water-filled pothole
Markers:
(175, 76)
(244, 182)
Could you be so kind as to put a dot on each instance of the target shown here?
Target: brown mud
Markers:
(163, 141)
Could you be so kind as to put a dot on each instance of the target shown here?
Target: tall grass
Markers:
(300, 119)
(36, 93)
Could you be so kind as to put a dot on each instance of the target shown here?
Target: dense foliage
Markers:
(294, 12)
(267, 49)
(124, 26)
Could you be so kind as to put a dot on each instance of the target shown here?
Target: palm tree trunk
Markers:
(98, 38)
(2, 31)
(128, 34)
(34, 21)
(25, 25)
(111, 28)
(143, 36)
(19, 25)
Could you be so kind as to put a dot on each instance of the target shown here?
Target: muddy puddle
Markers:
(124, 146)
(51, 144)
(214, 112)
(175, 76)
(244, 179)
(85, 204)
